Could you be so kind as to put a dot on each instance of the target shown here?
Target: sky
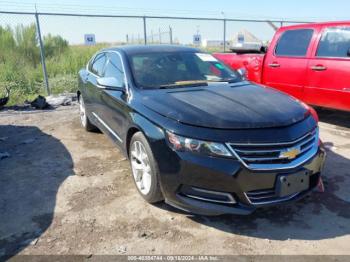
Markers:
(117, 29)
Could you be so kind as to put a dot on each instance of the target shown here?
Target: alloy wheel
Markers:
(141, 168)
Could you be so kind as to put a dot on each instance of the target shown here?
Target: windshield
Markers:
(163, 70)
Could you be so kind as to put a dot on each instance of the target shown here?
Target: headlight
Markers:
(180, 143)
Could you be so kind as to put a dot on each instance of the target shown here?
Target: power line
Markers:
(132, 10)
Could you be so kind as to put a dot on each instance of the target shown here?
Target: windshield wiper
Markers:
(193, 84)
(229, 80)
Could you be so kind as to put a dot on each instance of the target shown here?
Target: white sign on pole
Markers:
(240, 38)
(197, 39)
(89, 39)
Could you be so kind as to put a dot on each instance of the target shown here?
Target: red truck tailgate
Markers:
(251, 62)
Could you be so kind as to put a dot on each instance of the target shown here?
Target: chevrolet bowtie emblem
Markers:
(290, 153)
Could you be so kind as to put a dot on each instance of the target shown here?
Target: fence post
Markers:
(224, 35)
(42, 54)
(145, 29)
(171, 35)
(160, 36)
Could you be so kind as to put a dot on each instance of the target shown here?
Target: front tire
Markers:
(84, 120)
(144, 169)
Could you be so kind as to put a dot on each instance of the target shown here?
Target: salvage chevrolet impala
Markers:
(197, 134)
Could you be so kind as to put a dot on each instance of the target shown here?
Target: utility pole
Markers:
(42, 54)
(160, 36)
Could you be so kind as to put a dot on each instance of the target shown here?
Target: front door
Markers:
(114, 102)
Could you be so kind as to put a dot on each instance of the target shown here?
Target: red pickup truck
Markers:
(310, 62)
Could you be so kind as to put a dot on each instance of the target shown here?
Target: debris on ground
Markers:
(146, 235)
(122, 159)
(122, 250)
(61, 99)
(39, 103)
(6, 98)
(34, 242)
(4, 155)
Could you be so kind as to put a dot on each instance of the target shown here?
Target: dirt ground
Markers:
(66, 191)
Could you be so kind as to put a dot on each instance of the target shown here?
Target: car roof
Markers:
(321, 24)
(141, 49)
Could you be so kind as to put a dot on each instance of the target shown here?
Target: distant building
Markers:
(245, 36)
(215, 43)
(245, 40)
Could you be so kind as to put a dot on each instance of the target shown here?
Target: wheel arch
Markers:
(150, 130)
(131, 132)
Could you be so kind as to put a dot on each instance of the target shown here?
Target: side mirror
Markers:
(111, 83)
(242, 72)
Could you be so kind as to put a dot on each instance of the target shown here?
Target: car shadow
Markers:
(334, 117)
(318, 216)
(33, 165)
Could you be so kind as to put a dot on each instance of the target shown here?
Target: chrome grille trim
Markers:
(254, 157)
(268, 199)
(276, 144)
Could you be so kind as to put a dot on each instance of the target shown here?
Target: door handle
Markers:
(274, 65)
(319, 68)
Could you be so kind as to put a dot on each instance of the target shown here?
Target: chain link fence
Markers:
(41, 53)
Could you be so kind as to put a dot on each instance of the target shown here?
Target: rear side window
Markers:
(294, 43)
(335, 42)
(98, 64)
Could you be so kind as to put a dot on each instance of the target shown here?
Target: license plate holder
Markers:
(292, 183)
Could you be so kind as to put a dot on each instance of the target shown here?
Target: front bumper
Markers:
(207, 185)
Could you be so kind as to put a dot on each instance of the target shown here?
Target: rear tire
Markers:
(84, 119)
(144, 169)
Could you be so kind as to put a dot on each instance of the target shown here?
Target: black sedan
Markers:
(197, 134)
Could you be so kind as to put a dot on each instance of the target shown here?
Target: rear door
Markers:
(285, 65)
(92, 92)
(329, 69)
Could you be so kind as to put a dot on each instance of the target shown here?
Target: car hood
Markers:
(226, 106)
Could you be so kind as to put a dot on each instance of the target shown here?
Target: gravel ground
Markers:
(66, 191)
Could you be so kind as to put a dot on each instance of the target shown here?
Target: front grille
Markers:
(277, 155)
